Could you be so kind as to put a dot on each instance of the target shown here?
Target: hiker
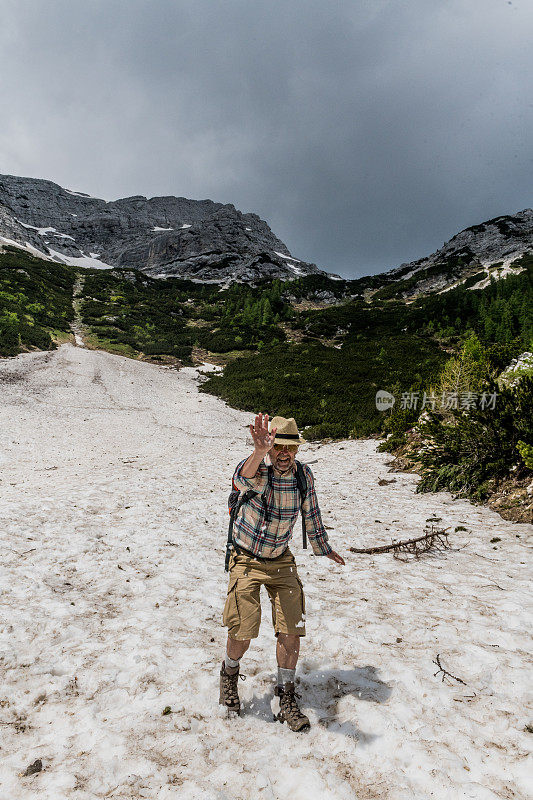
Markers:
(260, 556)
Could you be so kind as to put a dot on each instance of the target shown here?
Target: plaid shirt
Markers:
(268, 539)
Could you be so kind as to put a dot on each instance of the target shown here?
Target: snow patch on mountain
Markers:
(47, 231)
(84, 195)
(80, 261)
(282, 255)
(4, 240)
(497, 274)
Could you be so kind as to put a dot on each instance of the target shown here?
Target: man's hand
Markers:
(336, 558)
(263, 440)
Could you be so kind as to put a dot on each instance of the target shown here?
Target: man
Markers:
(261, 556)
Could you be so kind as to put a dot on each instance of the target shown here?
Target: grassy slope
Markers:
(35, 302)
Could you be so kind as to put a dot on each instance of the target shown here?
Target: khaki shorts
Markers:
(242, 611)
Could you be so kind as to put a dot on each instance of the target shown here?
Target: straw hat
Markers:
(287, 431)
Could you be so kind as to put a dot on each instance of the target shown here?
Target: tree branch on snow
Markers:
(433, 539)
(445, 672)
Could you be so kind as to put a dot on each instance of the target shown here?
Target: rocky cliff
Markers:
(492, 248)
(215, 243)
(162, 236)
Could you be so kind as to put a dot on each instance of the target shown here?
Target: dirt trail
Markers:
(76, 324)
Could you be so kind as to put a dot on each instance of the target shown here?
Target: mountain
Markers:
(492, 248)
(161, 236)
(215, 243)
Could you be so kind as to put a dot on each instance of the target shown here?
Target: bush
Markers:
(479, 445)
(9, 335)
(35, 336)
(35, 298)
(526, 451)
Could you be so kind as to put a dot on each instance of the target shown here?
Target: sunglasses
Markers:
(292, 448)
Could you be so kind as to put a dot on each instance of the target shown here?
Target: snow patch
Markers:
(46, 231)
(82, 194)
(113, 582)
(451, 286)
(27, 246)
(157, 228)
(498, 273)
(79, 261)
(289, 258)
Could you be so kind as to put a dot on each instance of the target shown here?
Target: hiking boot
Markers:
(289, 710)
(229, 694)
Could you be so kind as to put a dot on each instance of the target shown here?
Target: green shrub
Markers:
(478, 445)
(526, 451)
(9, 334)
(35, 298)
(35, 336)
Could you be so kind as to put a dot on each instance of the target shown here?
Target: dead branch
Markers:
(445, 672)
(433, 539)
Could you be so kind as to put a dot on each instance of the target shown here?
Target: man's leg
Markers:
(288, 614)
(242, 612)
(287, 650)
(235, 649)
(242, 617)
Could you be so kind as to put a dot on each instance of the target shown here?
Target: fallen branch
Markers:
(445, 671)
(434, 539)
(23, 552)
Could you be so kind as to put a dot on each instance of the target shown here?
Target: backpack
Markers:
(235, 501)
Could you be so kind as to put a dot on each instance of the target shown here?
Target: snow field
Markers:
(114, 481)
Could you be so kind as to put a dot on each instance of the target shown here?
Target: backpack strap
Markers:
(301, 480)
(230, 545)
(234, 511)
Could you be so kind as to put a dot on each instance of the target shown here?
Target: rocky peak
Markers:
(494, 247)
(162, 236)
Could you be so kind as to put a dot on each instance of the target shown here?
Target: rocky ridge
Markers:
(213, 242)
(162, 236)
(492, 248)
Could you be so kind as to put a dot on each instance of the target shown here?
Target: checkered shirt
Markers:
(268, 539)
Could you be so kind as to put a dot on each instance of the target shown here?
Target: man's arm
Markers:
(257, 481)
(318, 536)
(251, 465)
(263, 441)
(317, 533)
(252, 474)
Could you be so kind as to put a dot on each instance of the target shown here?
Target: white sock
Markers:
(285, 676)
(229, 662)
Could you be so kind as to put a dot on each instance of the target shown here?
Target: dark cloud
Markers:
(366, 132)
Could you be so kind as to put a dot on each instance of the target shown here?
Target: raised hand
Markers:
(263, 439)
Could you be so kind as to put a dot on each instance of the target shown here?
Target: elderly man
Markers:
(261, 557)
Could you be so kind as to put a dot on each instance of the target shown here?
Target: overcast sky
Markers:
(366, 132)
